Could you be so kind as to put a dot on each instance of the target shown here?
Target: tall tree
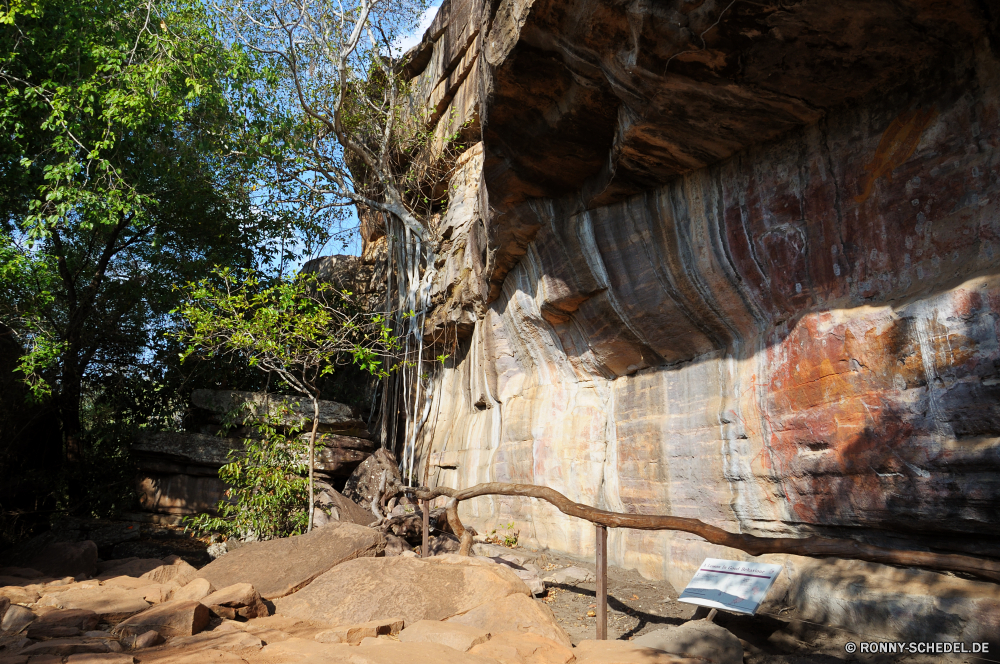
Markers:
(131, 142)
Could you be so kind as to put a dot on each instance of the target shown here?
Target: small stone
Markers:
(146, 640)
(16, 619)
(241, 597)
(173, 618)
(591, 614)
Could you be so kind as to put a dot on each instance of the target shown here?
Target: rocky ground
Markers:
(638, 606)
(340, 595)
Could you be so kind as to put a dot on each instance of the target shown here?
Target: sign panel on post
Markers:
(730, 585)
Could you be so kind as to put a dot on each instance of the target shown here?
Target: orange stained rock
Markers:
(898, 143)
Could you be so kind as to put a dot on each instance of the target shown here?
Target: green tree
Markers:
(132, 140)
(299, 329)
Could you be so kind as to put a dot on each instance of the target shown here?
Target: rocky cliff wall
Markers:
(741, 267)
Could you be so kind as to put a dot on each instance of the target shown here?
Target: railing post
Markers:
(602, 583)
(425, 507)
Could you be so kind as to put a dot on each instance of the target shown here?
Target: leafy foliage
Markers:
(133, 141)
(267, 494)
(299, 329)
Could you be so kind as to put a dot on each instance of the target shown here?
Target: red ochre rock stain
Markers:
(898, 143)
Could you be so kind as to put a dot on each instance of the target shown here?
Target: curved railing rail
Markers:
(815, 547)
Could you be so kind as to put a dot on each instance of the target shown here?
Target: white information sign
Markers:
(730, 585)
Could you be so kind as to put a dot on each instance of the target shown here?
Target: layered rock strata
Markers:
(731, 261)
(179, 471)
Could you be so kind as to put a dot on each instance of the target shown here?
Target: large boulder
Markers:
(415, 589)
(111, 604)
(335, 506)
(695, 638)
(60, 623)
(239, 599)
(173, 618)
(363, 484)
(515, 613)
(279, 567)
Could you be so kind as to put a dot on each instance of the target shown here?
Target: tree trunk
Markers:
(312, 462)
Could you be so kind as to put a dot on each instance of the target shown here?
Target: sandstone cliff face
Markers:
(731, 261)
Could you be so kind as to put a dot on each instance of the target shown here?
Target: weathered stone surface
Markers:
(174, 618)
(364, 482)
(174, 569)
(624, 652)
(71, 646)
(146, 640)
(354, 634)
(108, 658)
(15, 619)
(515, 613)
(695, 638)
(333, 416)
(226, 642)
(522, 648)
(278, 567)
(709, 286)
(304, 651)
(338, 507)
(453, 635)
(240, 596)
(196, 590)
(20, 595)
(111, 604)
(569, 576)
(66, 622)
(415, 589)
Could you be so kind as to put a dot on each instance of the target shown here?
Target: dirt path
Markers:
(637, 606)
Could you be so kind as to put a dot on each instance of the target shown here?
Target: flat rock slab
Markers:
(625, 652)
(521, 648)
(280, 567)
(173, 618)
(19, 595)
(111, 604)
(696, 638)
(453, 635)
(174, 569)
(226, 641)
(354, 634)
(515, 613)
(71, 646)
(59, 623)
(302, 651)
(107, 658)
(415, 589)
(197, 590)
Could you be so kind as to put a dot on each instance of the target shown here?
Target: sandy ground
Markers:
(637, 606)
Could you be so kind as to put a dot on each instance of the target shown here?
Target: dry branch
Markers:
(813, 547)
